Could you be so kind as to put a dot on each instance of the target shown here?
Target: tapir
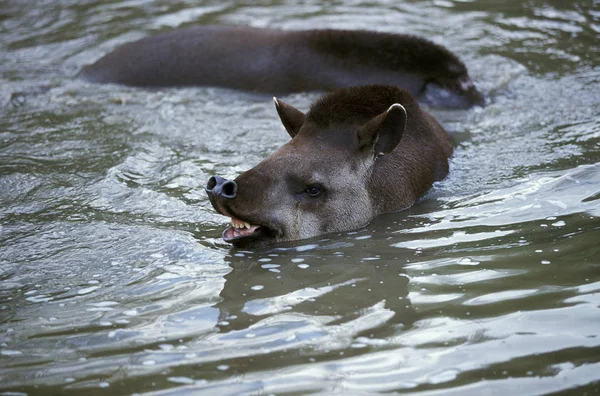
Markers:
(357, 153)
(280, 62)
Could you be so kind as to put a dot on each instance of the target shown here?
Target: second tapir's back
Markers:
(402, 176)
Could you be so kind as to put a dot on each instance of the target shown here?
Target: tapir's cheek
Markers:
(309, 226)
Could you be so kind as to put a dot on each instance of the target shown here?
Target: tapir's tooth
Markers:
(235, 223)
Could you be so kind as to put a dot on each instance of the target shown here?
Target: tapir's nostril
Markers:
(229, 189)
(217, 187)
(211, 184)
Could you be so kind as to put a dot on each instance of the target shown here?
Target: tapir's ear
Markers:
(383, 132)
(291, 117)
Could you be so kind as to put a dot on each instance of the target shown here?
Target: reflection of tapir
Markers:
(357, 153)
(279, 62)
(333, 285)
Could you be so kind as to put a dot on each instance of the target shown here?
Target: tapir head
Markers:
(316, 183)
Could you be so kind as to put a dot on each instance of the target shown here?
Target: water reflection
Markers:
(319, 284)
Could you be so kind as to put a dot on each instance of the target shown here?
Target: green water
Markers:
(114, 279)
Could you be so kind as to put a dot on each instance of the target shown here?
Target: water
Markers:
(114, 279)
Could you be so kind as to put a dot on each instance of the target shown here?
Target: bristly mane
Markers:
(388, 51)
(358, 104)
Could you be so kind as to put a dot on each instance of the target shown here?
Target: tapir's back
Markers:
(203, 55)
(276, 61)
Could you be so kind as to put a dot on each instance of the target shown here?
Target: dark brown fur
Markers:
(338, 147)
(420, 159)
(280, 62)
(390, 51)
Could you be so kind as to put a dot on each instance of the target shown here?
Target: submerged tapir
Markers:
(280, 62)
(357, 153)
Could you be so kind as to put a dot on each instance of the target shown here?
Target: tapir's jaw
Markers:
(243, 233)
(245, 230)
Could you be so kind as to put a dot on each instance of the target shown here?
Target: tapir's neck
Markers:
(401, 177)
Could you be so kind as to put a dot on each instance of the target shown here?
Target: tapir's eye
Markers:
(314, 190)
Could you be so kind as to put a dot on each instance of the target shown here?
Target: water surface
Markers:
(114, 279)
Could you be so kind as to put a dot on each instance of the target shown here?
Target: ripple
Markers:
(500, 297)
(465, 278)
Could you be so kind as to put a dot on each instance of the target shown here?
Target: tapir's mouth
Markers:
(242, 233)
(241, 230)
(245, 232)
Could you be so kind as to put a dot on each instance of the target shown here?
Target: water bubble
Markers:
(181, 380)
(104, 304)
(270, 266)
(8, 352)
(257, 287)
(87, 290)
(39, 299)
(304, 248)
(166, 347)
(467, 261)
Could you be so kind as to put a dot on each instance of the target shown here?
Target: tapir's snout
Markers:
(220, 190)
(243, 230)
(468, 89)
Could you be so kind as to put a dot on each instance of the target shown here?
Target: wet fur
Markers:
(280, 62)
(359, 183)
